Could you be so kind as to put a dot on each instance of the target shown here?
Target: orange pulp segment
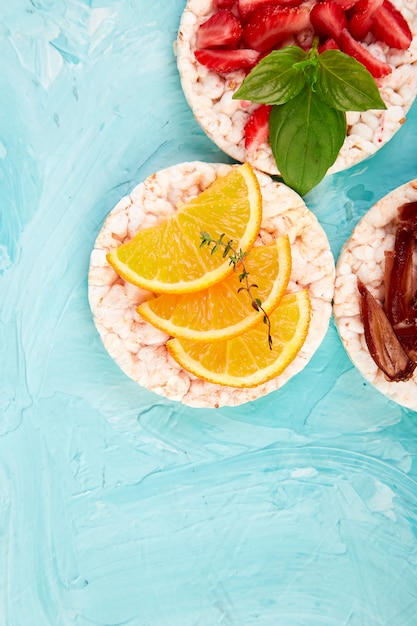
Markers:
(222, 311)
(167, 258)
(247, 360)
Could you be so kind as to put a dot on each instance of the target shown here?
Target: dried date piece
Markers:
(401, 281)
(407, 336)
(399, 277)
(383, 344)
(407, 212)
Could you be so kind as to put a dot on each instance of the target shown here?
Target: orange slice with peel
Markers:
(167, 258)
(247, 360)
(222, 311)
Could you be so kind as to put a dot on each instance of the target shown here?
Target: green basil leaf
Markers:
(346, 84)
(274, 80)
(310, 65)
(305, 136)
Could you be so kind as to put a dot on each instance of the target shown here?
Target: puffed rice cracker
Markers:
(139, 348)
(209, 95)
(363, 256)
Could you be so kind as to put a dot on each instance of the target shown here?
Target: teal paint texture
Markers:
(119, 507)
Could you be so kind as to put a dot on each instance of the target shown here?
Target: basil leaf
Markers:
(310, 65)
(274, 80)
(305, 136)
(346, 84)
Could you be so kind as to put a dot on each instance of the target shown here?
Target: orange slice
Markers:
(221, 311)
(247, 360)
(167, 258)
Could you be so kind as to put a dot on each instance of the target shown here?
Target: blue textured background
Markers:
(118, 507)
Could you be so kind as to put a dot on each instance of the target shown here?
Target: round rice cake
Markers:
(209, 94)
(363, 256)
(140, 349)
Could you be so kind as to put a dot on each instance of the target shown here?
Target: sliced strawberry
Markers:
(390, 26)
(248, 6)
(329, 44)
(345, 4)
(221, 30)
(328, 20)
(361, 18)
(355, 49)
(257, 127)
(224, 61)
(267, 26)
(223, 4)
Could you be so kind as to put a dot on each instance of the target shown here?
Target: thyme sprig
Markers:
(237, 258)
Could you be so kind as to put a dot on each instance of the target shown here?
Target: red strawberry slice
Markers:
(222, 29)
(248, 6)
(223, 4)
(345, 4)
(224, 61)
(361, 19)
(355, 49)
(328, 20)
(267, 26)
(390, 26)
(257, 127)
(329, 44)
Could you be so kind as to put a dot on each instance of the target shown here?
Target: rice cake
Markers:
(363, 256)
(139, 348)
(209, 94)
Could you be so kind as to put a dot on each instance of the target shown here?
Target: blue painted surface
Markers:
(118, 507)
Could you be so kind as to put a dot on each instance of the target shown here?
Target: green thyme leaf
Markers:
(306, 135)
(346, 84)
(238, 258)
(274, 80)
